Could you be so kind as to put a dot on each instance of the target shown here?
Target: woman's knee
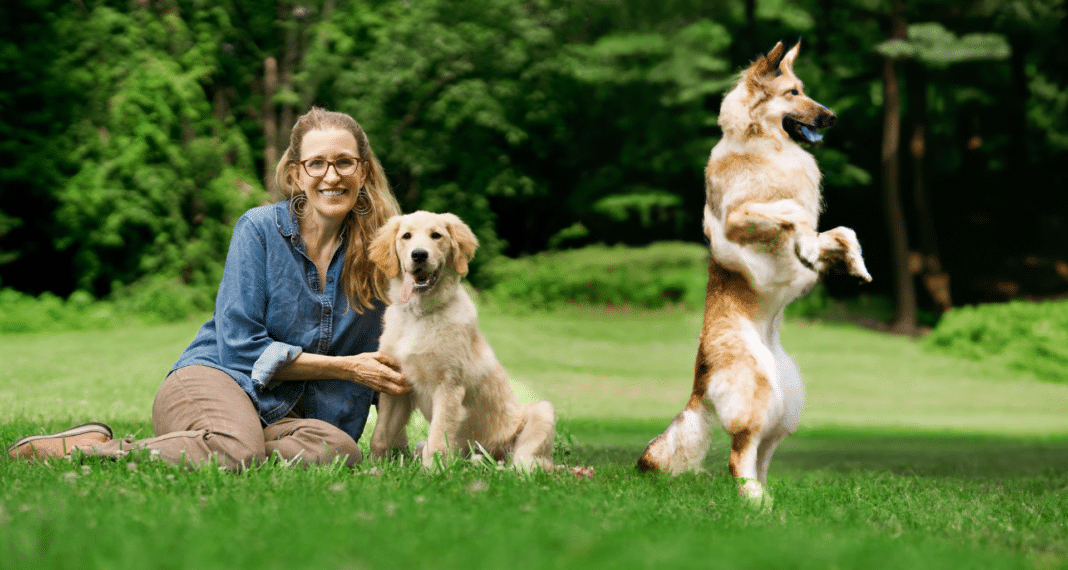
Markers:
(233, 453)
(312, 441)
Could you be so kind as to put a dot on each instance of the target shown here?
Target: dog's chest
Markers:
(425, 345)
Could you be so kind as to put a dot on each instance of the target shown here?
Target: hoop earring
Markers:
(367, 206)
(298, 205)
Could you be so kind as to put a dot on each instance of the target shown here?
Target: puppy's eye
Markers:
(407, 235)
(794, 92)
(435, 235)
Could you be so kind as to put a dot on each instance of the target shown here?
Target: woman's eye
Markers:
(344, 163)
(316, 163)
(435, 235)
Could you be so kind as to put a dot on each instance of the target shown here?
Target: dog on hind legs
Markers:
(761, 212)
(431, 328)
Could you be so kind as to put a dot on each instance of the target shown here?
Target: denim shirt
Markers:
(270, 309)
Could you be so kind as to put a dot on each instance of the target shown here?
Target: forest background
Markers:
(134, 133)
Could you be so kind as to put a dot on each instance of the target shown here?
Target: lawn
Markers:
(904, 459)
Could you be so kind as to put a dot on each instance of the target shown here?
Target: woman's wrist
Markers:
(310, 366)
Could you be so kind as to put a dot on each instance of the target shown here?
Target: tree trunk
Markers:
(934, 278)
(905, 311)
(270, 124)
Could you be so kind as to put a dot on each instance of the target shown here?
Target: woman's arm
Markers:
(376, 370)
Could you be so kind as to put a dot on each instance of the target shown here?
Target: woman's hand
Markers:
(378, 371)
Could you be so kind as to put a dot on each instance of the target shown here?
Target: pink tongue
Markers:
(407, 287)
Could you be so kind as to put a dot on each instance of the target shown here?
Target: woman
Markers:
(288, 365)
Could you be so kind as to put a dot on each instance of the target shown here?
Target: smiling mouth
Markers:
(417, 281)
(333, 192)
(799, 131)
(424, 280)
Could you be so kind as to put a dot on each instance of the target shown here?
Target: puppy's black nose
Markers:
(420, 255)
(826, 120)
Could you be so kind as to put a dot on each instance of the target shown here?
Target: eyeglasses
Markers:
(344, 166)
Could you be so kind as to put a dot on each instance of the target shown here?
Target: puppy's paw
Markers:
(840, 249)
(807, 250)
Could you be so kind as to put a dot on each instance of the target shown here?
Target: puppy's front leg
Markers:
(448, 414)
(393, 414)
(839, 248)
(764, 222)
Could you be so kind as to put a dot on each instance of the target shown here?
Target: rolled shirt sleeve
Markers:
(275, 356)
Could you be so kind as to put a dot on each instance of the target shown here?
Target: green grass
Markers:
(904, 459)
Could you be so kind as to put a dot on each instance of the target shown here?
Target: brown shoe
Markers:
(59, 444)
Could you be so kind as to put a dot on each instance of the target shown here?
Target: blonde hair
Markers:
(362, 281)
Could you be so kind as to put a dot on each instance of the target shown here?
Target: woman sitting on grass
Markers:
(288, 365)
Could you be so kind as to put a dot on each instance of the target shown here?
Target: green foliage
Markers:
(653, 276)
(934, 45)
(160, 179)
(1026, 336)
(150, 300)
(22, 313)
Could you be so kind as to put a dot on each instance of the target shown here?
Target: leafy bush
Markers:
(21, 313)
(653, 276)
(1027, 336)
(152, 300)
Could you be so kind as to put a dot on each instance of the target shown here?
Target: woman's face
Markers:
(331, 196)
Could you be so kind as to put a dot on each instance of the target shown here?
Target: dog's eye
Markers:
(794, 92)
(407, 235)
(435, 235)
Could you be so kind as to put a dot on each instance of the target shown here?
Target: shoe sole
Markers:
(91, 427)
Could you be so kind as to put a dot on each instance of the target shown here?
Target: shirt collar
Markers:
(285, 219)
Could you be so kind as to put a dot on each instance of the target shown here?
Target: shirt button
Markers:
(329, 279)
(326, 310)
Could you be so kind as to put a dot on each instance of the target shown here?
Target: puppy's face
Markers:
(419, 246)
(777, 97)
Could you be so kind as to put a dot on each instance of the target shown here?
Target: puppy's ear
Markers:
(382, 250)
(463, 240)
(764, 66)
(786, 67)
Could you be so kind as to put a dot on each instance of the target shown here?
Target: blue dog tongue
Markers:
(810, 134)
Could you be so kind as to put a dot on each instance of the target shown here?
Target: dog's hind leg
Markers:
(393, 415)
(534, 443)
(684, 444)
(764, 452)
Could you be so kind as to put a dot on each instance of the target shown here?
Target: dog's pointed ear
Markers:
(382, 251)
(763, 67)
(463, 240)
(786, 66)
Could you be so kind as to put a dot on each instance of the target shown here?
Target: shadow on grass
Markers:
(620, 443)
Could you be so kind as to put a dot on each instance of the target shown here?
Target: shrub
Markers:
(660, 274)
(151, 300)
(21, 313)
(1027, 336)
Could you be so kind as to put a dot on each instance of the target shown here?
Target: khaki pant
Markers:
(201, 412)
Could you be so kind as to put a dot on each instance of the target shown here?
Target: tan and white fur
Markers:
(761, 213)
(431, 328)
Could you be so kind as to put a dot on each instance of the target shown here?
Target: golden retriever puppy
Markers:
(431, 328)
(761, 211)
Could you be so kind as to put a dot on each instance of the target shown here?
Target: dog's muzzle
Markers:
(801, 131)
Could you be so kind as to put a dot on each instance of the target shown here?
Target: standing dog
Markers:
(431, 328)
(761, 211)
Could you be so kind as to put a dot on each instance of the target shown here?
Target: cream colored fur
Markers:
(761, 215)
(458, 384)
